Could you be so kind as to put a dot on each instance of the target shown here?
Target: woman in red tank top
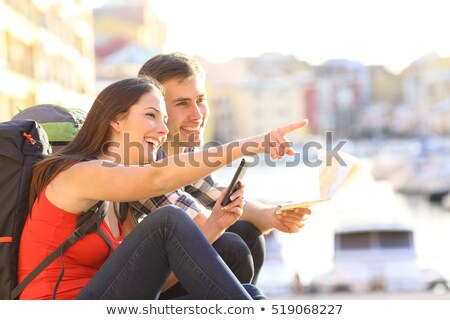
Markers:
(122, 131)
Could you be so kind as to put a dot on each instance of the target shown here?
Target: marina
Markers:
(294, 260)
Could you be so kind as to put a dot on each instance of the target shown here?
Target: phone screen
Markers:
(234, 184)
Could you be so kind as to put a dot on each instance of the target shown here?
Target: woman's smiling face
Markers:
(143, 129)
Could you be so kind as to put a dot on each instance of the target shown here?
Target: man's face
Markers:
(187, 110)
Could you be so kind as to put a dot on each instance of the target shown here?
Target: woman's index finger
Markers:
(293, 126)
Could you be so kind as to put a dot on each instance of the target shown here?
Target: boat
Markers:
(372, 257)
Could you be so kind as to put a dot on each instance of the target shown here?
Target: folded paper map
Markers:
(334, 174)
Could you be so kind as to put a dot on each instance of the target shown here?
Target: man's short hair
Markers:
(168, 66)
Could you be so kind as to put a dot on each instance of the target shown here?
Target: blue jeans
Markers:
(255, 242)
(242, 248)
(234, 252)
(167, 240)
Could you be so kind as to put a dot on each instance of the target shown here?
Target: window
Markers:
(353, 241)
(394, 239)
(19, 56)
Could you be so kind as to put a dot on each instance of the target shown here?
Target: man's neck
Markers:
(171, 149)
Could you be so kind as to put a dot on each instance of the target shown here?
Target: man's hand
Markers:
(290, 221)
(266, 218)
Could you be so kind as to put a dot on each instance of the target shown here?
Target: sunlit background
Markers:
(374, 73)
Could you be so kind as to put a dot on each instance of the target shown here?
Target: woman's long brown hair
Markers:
(114, 100)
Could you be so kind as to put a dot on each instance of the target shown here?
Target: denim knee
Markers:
(254, 240)
(170, 215)
(254, 292)
(236, 254)
(247, 231)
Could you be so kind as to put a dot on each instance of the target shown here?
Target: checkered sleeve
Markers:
(206, 191)
(178, 198)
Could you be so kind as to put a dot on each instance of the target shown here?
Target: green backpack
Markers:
(60, 124)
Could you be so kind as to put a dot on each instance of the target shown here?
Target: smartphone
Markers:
(234, 184)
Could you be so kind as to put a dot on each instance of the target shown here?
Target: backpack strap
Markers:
(105, 238)
(94, 216)
(138, 210)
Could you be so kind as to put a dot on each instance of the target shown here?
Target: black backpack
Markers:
(22, 144)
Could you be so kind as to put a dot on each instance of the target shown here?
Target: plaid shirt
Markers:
(194, 198)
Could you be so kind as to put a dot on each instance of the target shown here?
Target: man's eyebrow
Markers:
(181, 99)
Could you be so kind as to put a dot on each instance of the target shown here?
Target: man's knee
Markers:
(231, 243)
(237, 255)
(246, 230)
(255, 242)
(250, 234)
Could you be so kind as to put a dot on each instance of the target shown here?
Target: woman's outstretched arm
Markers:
(88, 182)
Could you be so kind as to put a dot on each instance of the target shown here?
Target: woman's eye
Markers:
(151, 115)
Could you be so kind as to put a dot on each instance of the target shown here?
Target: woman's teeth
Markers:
(152, 141)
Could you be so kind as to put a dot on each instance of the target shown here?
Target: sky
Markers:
(386, 32)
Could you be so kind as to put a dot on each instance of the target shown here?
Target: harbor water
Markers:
(293, 260)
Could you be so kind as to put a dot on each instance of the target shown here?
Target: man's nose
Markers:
(196, 112)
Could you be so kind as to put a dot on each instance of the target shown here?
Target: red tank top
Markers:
(46, 228)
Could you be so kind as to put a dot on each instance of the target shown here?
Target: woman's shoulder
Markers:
(69, 189)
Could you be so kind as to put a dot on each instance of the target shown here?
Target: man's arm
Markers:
(259, 214)
(211, 226)
(262, 216)
(178, 198)
(206, 191)
(267, 218)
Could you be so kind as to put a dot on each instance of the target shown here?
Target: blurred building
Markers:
(414, 103)
(127, 33)
(249, 96)
(426, 91)
(343, 89)
(253, 95)
(385, 114)
(46, 54)
(386, 87)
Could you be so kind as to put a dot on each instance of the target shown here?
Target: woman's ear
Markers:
(115, 125)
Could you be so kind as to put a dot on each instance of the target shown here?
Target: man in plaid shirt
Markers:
(185, 96)
(194, 198)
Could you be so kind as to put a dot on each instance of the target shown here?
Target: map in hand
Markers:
(334, 174)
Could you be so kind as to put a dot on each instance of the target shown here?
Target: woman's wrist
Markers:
(212, 230)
